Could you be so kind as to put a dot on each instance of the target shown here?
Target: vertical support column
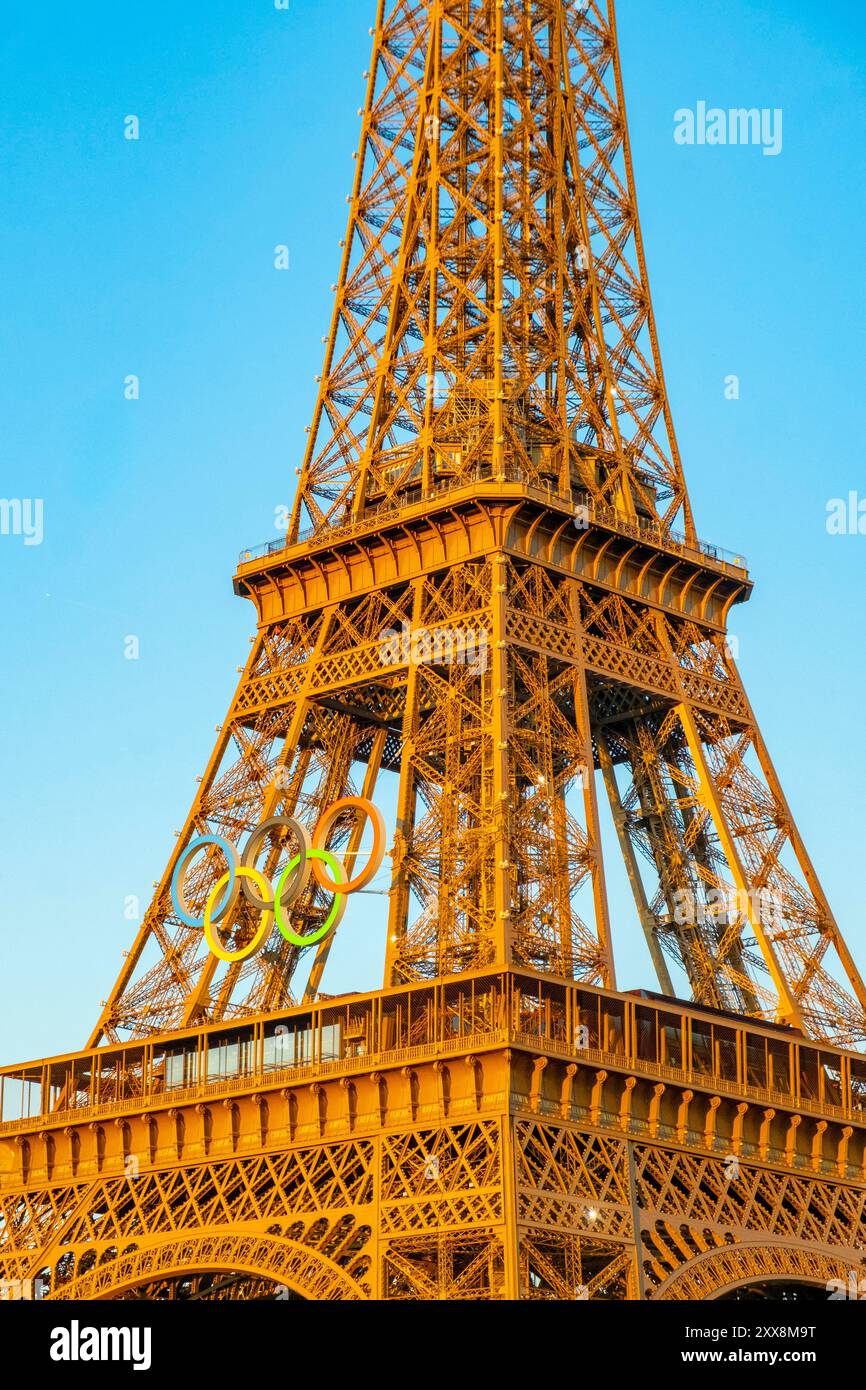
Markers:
(378, 1290)
(708, 795)
(590, 800)
(434, 106)
(604, 390)
(847, 960)
(385, 363)
(398, 908)
(647, 920)
(691, 534)
(360, 171)
(635, 1222)
(498, 148)
(501, 789)
(560, 269)
(511, 1238)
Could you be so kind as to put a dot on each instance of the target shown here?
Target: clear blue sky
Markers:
(156, 258)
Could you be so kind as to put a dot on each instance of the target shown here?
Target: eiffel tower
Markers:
(492, 599)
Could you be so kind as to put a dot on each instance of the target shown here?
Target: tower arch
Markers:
(287, 1262)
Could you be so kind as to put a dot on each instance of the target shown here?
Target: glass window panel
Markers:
(756, 1061)
(726, 1053)
(780, 1066)
(702, 1048)
(645, 1035)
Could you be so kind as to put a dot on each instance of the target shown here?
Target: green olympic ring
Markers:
(292, 882)
(334, 917)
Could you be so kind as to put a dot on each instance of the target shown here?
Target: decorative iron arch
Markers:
(306, 1272)
(718, 1272)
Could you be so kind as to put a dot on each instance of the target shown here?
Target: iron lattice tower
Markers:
(492, 478)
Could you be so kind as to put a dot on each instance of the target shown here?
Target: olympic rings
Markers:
(312, 859)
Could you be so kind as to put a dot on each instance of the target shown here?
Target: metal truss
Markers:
(492, 307)
(487, 599)
(491, 592)
(498, 742)
(499, 1173)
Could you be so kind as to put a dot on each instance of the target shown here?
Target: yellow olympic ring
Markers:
(264, 927)
(293, 881)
